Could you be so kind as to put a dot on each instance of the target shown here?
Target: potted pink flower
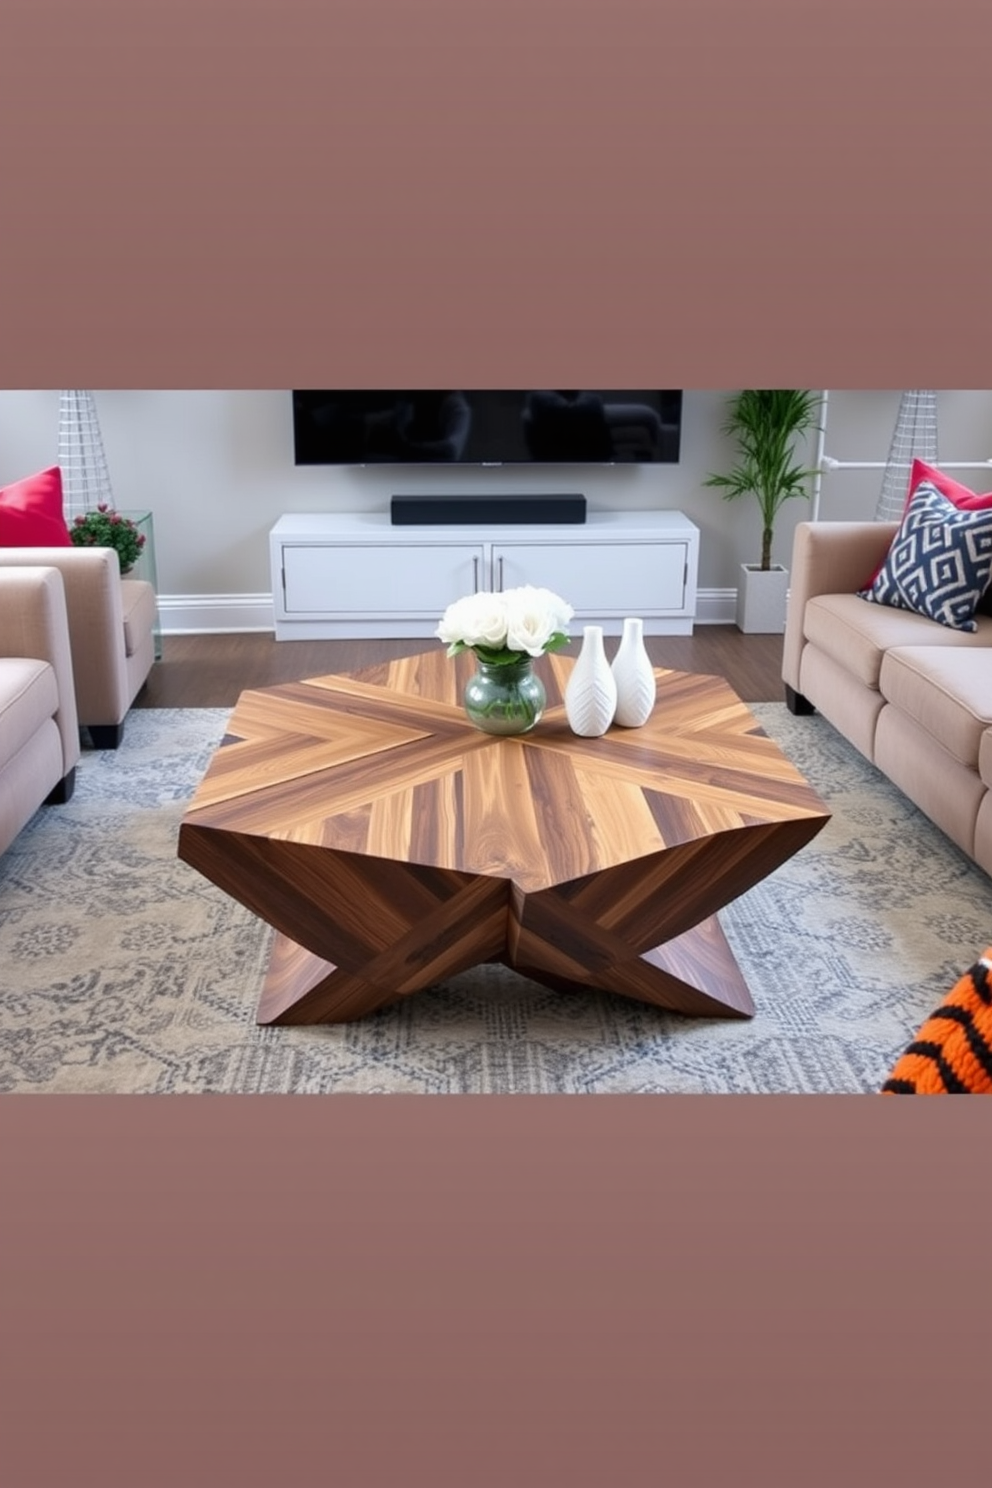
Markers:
(106, 528)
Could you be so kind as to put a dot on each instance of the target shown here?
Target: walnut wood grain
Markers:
(391, 844)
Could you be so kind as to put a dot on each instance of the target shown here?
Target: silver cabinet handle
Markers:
(499, 580)
(475, 573)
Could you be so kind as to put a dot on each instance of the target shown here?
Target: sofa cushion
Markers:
(857, 635)
(138, 602)
(947, 691)
(939, 563)
(31, 512)
(29, 696)
(985, 758)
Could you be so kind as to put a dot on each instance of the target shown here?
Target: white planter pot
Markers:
(761, 599)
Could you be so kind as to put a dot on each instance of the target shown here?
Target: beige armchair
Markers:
(111, 629)
(39, 731)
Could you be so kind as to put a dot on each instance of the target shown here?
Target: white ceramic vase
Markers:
(634, 676)
(591, 690)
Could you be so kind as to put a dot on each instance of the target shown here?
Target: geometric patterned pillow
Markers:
(962, 496)
(952, 1053)
(940, 560)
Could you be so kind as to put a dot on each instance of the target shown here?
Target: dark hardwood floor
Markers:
(210, 671)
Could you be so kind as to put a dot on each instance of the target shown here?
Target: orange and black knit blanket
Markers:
(952, 1053)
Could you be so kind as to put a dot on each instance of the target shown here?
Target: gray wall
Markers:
(216, 468)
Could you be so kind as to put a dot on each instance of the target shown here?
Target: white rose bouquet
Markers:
(503, 628)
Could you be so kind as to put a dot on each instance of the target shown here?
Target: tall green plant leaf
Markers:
(766, 423)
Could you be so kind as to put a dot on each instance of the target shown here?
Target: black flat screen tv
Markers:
(486, 428)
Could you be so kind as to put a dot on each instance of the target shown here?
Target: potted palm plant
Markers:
(766, 423)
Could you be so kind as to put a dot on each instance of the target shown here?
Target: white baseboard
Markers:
(214, 614)
(716, 607)
(224, 614)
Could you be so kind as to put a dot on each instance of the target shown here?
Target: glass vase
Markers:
(507, 699)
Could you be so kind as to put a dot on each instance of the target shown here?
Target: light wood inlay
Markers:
(391, 844)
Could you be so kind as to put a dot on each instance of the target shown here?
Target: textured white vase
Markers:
(591, 690)
(634, 676)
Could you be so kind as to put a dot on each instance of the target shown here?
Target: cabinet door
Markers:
(384, 579)
(606, 579)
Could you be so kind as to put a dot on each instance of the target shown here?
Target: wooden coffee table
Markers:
(391, 844)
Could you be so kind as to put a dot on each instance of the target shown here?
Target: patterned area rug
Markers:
(124, 970)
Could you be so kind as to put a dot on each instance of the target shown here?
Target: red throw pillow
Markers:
(31, 512)
(962, 498)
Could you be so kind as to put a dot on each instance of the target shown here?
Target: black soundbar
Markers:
(436, 511)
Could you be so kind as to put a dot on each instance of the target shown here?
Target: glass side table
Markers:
(145, 568)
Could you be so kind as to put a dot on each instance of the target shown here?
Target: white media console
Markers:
(338, 576)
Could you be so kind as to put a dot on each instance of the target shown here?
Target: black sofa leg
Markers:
(105, 735)
(796, 703)
(62, 792)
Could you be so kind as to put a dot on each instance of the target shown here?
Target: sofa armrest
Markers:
(94, 604)
(828, 558)
(34, 624)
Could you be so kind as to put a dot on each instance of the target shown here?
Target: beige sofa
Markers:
(914, 696)
(39, 733)
(112, 627)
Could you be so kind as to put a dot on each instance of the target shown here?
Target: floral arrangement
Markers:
(504, 628)
(106, 528)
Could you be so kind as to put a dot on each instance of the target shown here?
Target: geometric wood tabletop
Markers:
(391, 844)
